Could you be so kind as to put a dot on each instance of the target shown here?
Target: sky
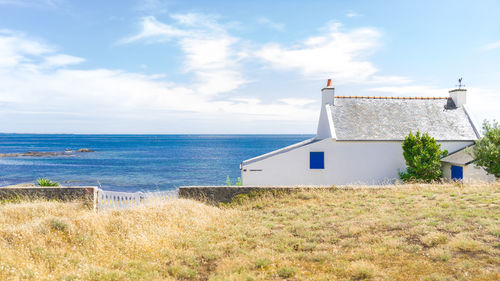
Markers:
(233, 67)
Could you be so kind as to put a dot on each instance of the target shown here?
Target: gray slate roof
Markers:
(461, 157)
(393, 119)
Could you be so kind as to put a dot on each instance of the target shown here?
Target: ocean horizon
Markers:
(135, 162)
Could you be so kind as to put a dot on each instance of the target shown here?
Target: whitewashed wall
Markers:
(447, 170)
(346, 162)
(473, 172)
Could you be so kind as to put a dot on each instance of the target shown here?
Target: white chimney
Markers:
(327, 93)
(459, 96)
(327, 98)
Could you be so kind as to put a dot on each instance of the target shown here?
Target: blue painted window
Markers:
(316, 160)
(457, 172)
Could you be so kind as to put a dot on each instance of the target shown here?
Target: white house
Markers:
(358, 141)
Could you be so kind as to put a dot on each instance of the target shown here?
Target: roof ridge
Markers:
(392, 98)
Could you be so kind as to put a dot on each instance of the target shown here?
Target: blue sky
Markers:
(151, 66)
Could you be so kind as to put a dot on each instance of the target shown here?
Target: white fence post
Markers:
(119, 200)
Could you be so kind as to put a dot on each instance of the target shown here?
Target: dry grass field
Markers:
(413, 232)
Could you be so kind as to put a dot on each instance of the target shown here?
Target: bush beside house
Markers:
(486, 152)
(422, 155)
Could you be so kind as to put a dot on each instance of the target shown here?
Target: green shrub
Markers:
(262, 263)
(467, 246)
(46, 182)
(486, 152)
(362, 270)
(59, 225)
(287, 272)
(434, 239)
(238, 183)
(423, 158)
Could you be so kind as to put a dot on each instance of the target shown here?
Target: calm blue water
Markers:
(135, 162)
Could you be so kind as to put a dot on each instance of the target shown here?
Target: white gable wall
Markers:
(473, 173)
(325, 123)
(346, 162)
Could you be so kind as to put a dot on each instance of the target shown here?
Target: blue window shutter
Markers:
(316, 160)
(457, 172)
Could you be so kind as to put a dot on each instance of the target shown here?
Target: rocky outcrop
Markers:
(84, 150)
(45, 154)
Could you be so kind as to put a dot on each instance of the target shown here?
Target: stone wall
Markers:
(225, 194)
(87, 194)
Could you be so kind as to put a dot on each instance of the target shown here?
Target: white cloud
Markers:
(210, 52)
(17, 49)
(483, 103)
(491, 46)
(63, 97)
(41, 87)
(32, 3)
(61, 60)
(337, 54)
(27, 54)
(297, 101)
(151, 28)
(271, 24)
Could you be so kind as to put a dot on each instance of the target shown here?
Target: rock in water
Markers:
(43, 154)
(84, 150)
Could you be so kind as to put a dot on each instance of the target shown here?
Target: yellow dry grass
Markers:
(412, 232)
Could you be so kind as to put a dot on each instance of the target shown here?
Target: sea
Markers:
(135, 162)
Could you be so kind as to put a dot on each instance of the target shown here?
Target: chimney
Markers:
(327, 97)
(459, 96)
(327, 93)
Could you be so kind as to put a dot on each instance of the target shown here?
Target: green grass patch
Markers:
(46, 182)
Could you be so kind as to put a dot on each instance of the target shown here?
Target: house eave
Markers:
(473, 122)
(279, 151)
(398, 140)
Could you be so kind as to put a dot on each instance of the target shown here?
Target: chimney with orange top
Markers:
(329, 83)
(327, 93)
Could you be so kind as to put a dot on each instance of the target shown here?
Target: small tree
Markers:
(486, 152)
(422, 154)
